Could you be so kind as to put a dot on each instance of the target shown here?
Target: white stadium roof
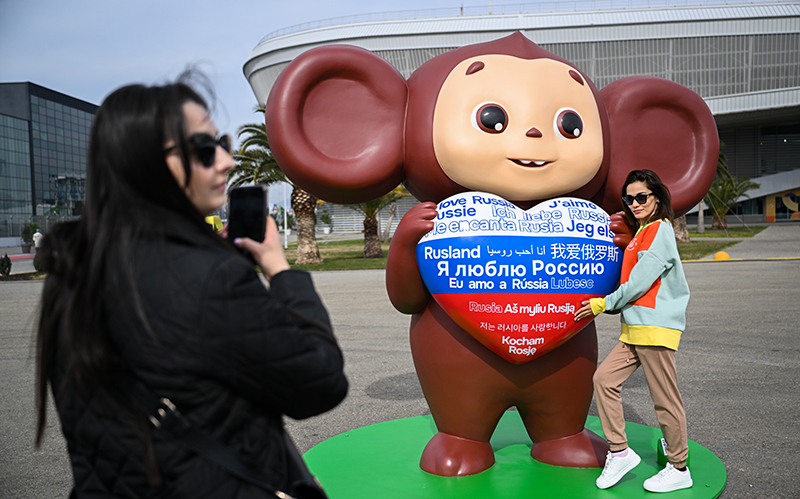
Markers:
(768, 81)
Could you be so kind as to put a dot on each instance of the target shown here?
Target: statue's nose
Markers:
(533, 132)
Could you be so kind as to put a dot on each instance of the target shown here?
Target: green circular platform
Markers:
(382, 461)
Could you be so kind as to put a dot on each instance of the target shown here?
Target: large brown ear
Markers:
(659, 125)
(335, 120)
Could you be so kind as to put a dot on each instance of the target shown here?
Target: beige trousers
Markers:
(662, 380)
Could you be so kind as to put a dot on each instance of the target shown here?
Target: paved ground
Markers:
(739, 367)
(776, 241)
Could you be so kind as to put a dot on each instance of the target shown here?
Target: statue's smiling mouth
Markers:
(529, 163)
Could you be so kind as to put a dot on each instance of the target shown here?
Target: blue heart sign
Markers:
(514, 278)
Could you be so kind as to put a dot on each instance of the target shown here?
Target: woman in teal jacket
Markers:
(652, 297)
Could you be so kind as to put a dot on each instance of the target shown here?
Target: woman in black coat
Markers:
(141, 290)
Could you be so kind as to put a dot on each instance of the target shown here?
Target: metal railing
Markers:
(12, 225)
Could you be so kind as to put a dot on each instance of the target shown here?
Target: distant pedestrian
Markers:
(653, 296)
(149, 316)
(37, 240)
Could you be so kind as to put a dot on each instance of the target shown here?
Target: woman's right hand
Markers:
(585, 311)
(269, 255)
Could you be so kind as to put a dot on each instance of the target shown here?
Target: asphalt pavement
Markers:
(779, 240)
(738, 365)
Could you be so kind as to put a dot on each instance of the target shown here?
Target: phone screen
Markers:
(247, 213)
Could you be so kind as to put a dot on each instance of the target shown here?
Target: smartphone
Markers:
(247, 212)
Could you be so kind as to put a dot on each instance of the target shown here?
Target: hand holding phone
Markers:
(247, 212)
(253, 231)
(269, 254)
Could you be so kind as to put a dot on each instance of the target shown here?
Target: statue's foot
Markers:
(582, 450)
(448, 455)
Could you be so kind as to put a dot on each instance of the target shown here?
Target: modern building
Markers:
(44, 136)
(743, 58)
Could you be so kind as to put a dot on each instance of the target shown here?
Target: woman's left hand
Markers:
(584, 312)
(269, 254)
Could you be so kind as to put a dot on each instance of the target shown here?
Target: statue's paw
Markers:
(582, 450)
(448, 455)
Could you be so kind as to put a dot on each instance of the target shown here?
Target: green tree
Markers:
(256, 165)
(370, 210)
(27, 232)
(5, 265)
(681, 231)
(725, 191)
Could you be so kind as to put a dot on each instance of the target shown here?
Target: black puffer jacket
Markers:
(224, 349)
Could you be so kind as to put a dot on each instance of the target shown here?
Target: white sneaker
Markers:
(616, 468)
(669, 479)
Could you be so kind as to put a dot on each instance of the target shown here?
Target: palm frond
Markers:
(725, 191)
(370, 209)
(254, 161)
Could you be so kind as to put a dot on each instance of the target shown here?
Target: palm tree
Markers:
(370, 210)
(724, 193)
(681, 231)
(256, 165)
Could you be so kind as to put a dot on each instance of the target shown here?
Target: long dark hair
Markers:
(659, 190)
(128, 183)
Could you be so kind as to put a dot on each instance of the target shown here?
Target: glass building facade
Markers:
(15, 166)
(44, 137)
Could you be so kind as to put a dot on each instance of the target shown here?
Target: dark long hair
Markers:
(659, 189)
(128, 183)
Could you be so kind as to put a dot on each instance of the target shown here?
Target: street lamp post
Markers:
(285, 220)
(701, 228)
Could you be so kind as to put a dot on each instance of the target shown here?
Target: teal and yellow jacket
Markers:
(653, 293)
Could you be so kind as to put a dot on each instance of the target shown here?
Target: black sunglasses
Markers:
(205, 147)
(640, 198)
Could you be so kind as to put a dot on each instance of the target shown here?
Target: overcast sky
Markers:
(88, 48)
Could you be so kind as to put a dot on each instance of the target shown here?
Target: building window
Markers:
(779, 148)
(15, 175)
(749, 207)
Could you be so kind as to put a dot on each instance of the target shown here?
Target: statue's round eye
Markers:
(568, 123)
(490, 118)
